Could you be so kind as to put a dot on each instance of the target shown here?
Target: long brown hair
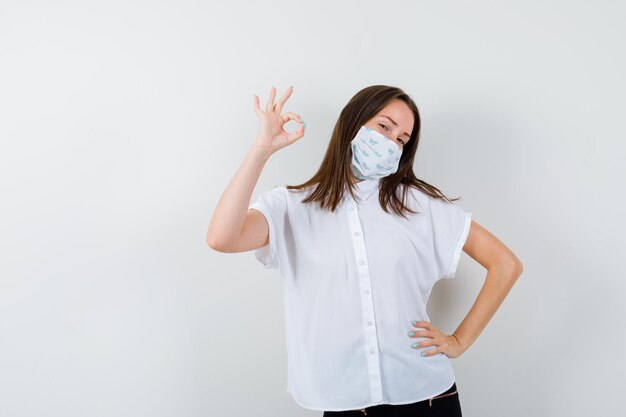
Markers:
(334, 172)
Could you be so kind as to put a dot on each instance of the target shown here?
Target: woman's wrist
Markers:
(458, 341)
(260, 151)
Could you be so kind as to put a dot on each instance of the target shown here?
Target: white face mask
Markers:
(374, 155)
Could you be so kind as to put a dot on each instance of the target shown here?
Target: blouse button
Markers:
(351, 208)
(372, 351)
(362, 262)
(366, 292)
(369, 323)
(357, 234)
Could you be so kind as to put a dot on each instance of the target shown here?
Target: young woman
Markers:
(359, 247)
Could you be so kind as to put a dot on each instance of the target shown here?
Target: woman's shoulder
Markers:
(289, 195)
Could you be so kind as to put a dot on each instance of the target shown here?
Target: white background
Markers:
(121, 123)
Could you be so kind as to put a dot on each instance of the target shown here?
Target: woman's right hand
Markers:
(271, 135)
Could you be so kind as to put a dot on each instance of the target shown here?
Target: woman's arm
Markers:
(503, 270)
(234, 228)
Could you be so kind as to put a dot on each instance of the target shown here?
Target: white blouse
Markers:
(353, 281)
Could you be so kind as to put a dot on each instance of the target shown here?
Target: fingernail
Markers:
(411, 334)
(414, 345)
(413, 322)
(423, 353)
(291, 86)
(304, 124)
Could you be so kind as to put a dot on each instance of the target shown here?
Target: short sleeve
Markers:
(273, 205)
(450, 224)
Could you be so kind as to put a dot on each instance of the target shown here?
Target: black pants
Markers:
(438, 406)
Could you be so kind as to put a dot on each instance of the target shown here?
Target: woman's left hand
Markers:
(448, 345)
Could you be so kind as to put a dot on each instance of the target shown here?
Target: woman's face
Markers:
(395, 121)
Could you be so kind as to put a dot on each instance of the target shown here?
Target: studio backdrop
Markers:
(122, 122)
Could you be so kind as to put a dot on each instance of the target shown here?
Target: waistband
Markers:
(450, 391)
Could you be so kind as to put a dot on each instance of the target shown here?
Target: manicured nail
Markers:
(423, 353)
(411, 334)
(413, 322)
(304, 124)
(414, 345)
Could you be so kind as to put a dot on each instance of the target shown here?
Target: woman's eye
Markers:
(401, 141)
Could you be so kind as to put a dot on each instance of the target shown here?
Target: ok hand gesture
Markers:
(271, 134)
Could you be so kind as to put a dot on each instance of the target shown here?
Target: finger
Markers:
(423, 344)
(430, 352)
(270, 100)
(423, 324)
(257, 110)
(423, 333)
(279, 106)
(291, 116)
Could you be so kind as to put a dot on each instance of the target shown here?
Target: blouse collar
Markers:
(364, 188)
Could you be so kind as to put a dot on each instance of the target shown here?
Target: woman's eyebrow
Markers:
(392, 121)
